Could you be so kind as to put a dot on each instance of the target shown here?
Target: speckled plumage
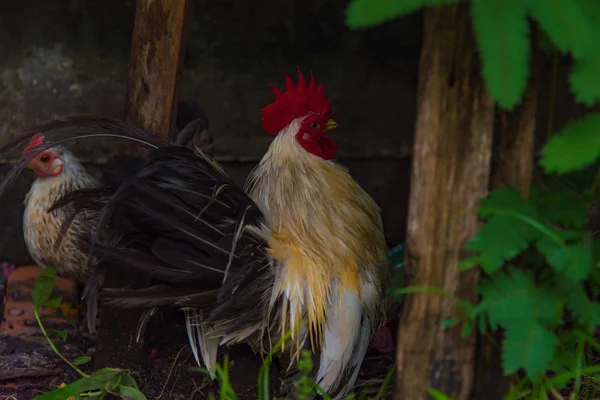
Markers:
(42, 228)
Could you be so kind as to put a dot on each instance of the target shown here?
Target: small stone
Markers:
(15, 312)
(55, 382)
(76, 89)
(71, 347)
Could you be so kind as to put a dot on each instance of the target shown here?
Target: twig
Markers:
(170, 372)
(556, 395)
(198, 389)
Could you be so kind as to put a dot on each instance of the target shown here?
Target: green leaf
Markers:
(466, 329)
(558, 206)
(60, 334)
(127, 380)
(528, 345)
(99, 380)
(552, 310)
(584, 82)
(580, 261)
(577, 146)
(546, 44)
(508, 296)
(42, 289)
(437, 395)
(501, 28)
(565, 23)
(587, 312)
(574, 261)
(54, 303)
(131, 393)
(500, 239)
(506, 198)
(449, 322)
(82, 360)
(468, 263)
(564, 360)
(367, 13)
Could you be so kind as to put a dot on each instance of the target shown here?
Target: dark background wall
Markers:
(70, 56)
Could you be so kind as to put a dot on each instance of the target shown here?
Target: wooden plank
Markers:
(450, 173)
(513, 165)
(157, 53)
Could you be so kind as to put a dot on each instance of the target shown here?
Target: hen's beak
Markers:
(330, 125)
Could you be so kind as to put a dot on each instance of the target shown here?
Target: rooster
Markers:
(305, 243)
(59, 172)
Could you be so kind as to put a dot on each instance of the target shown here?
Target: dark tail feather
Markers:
(143, 264)
(158, 296)
(90, 296)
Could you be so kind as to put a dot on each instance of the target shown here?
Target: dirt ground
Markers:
(28, 366)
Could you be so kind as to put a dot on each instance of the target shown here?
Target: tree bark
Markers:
(513, 166)
(156, 64)
(450, 173)
(157, 53)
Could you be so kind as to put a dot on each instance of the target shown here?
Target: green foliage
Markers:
(505, 39)
(96, 385)
(584, 82)
(552, 257)
(577, 146)
(502, 33)
(366, 13)
(509, 229)
(540, 285)
(566, 21)
(43, 286)
(437, 395)
(305, 388)
(541, 278)
(99, 384)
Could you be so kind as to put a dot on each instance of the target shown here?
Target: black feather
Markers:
(174, 216)
(178, 218)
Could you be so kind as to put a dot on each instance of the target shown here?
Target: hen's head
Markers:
(306, 102)
(47, 162)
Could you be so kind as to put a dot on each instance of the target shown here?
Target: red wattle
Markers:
(328, 148)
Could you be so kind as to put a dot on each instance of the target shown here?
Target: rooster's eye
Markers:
(45, 158)
(314, 125)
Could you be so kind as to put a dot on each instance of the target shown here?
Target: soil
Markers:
(28, 366)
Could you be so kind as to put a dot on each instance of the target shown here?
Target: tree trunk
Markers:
(513, 166)
(450, 173)
(157, 53)
(156, 64)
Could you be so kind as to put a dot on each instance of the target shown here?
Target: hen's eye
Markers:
(45, 158)
(314, 125)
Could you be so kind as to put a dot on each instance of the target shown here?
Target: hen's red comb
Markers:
(296, 102)
(36, 140)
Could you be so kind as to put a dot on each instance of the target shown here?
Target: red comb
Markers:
(36, 140)
(296, 102)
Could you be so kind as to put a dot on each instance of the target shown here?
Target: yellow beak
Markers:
(330, 125)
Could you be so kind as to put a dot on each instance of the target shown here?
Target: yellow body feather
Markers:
(326, 234)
